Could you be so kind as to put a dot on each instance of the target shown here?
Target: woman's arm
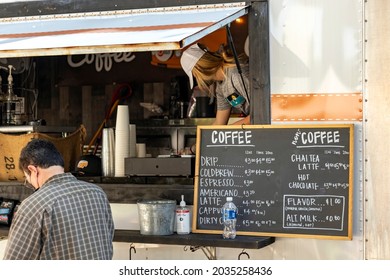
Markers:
(246, 120)
(222, 117)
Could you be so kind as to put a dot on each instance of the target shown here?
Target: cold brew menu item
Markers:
(291, 181)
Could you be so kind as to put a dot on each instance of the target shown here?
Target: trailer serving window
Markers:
(147, 29)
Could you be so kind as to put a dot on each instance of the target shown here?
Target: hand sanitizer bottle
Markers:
(182, 218)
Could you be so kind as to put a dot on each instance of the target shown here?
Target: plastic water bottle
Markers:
(229, 212)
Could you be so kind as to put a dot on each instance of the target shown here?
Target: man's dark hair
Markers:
(40, 153)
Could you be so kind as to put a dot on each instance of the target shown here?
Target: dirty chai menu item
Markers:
(285, 180)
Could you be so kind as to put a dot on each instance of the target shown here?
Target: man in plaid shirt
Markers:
(65, 218)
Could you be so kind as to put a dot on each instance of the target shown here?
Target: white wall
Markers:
(316, 46)
(377, 132)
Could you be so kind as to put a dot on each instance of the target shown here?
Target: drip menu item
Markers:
(293, 181)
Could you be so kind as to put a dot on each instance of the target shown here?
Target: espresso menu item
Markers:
(291, 181)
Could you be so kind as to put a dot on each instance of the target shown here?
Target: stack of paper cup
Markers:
(108, 152)
(133, 141)
(122, 137)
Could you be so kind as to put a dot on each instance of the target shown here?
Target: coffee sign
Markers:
(285, 180)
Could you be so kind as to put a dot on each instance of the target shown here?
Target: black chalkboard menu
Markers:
(288, 181)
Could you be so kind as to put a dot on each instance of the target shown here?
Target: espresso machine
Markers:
(11, 106)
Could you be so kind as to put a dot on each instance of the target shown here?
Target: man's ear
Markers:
(32, 168)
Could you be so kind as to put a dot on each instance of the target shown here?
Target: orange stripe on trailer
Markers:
(317, 107)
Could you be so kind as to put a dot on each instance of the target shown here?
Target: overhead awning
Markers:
(155, 29)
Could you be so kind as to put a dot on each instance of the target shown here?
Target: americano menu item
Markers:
(289, 181)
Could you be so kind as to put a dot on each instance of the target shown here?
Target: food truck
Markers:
(312, 64)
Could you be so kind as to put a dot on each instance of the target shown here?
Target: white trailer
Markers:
(328, 63)
(321, 56)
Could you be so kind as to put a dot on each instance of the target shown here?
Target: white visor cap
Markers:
(188, 60)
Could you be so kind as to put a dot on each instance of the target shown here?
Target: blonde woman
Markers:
(218, 75)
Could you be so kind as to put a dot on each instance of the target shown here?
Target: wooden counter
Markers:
(208, 243)
(194, 239)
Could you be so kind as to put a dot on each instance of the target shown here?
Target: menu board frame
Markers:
(327, 203)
